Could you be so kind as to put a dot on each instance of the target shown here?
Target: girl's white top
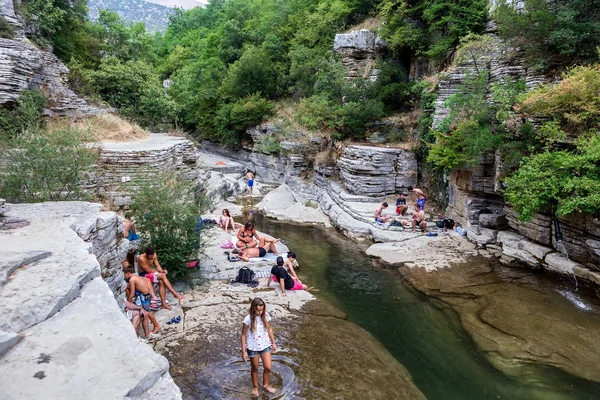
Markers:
(259, 339)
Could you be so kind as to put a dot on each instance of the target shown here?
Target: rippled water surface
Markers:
(424, 335)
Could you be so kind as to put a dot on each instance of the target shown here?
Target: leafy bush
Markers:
(270, 144)
(234, 118)
(558, 32)
(353, 118)
(166, 211)
(25, 116)
(573, 103)
(315, 113)
(7, 31)
(474, 127)
(571, 178)
(45, 166)
(431, 28)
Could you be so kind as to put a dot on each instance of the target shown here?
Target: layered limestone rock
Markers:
(359, 51)
(121, 162)
(25, 67)
(61, 327)
(377, 171)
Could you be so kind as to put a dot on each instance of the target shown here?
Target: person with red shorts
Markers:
(158, 275)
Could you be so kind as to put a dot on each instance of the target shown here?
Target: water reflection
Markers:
(421, 332)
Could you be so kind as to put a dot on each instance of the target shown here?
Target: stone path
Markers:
(63, 335)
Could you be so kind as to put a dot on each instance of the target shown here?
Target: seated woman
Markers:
(285, 280)
(264, 246)
(137, 315)
(247, 236)
(226, 220)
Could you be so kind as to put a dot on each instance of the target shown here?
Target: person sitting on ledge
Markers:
(129, 228)
(226, 220)
(137, 315)
(140, 287)
(265, 246)
(401, 206)
(247, 236)
(158, 275)
(292, 263)
(284, 279)
(379, 217)
(418, 218)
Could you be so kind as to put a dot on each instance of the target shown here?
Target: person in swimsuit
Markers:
(421, 198)
(138, 287)
(379, 217)
(418, 218)
(129, 228)
(265, 245)
(247, 236)
(250, 177)
(401, 206)
(226, 220)
(158, 275)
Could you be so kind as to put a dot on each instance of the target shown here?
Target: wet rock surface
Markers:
(509, 317)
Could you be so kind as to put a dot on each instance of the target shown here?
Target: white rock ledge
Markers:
(63, 334)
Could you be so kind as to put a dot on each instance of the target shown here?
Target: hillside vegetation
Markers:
(235, 63)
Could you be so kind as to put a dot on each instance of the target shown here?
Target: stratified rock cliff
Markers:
(359, 51)
(23, 66)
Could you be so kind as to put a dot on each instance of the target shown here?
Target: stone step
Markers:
(87, 350)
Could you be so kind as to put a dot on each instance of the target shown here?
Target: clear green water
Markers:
(424, 336)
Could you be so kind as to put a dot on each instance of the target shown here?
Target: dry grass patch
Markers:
(371, 24)
(103, 127)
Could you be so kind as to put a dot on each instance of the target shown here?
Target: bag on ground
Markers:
(245, 275)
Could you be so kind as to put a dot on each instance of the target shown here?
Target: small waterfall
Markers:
(560, 246)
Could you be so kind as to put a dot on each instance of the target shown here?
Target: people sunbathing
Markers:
(264, 246)
(247, 236)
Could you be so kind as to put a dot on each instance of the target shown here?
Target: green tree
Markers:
(569, 178)
(551, 33)
(26, 116)
(166, 211)
(46, 166)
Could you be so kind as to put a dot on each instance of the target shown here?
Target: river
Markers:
(423, 333)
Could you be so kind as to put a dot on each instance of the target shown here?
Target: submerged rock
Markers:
(509, 317)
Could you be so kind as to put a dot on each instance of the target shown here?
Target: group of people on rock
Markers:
(418, 216)
(140, 298)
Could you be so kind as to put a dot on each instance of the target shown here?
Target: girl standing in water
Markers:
(258, 340)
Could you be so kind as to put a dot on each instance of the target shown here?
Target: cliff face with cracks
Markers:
(23, 66)
(61, 327)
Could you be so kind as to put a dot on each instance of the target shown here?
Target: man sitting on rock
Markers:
(138, 292)
(418, 219)
(379, 217)
(129, 228)
(401, 206)
(158, 275)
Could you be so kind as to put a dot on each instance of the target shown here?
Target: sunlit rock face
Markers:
(23, 66)
(359, 51)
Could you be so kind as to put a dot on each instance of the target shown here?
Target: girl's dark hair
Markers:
(226, 212)
(291, 254)
(130, 258)
(255, 303)
(249, 225)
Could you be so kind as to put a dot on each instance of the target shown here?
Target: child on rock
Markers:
(257, 340)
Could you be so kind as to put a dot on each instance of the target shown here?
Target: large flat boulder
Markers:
(87, 350)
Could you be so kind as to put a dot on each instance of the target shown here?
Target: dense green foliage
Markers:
(552, 33)
(7, 31)
(165, 211)
(567, 170)
(475, 126)
(431, 27)
(24, 117)
(45, 166)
